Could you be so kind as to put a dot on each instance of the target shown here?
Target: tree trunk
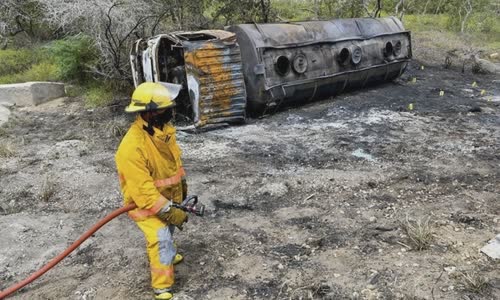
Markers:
(396, 8)
(316, 10)
(378, 9)
(468, 9)
(265, 10)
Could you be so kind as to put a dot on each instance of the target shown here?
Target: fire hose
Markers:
(190, 204)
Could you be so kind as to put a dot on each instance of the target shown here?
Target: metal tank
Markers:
(251, 67)
(303, 61)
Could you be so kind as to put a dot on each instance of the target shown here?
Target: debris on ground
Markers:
(492, 249)
(293, 212)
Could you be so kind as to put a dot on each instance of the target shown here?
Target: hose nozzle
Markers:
(191, 205)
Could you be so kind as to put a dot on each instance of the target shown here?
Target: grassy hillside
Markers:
(433, 40)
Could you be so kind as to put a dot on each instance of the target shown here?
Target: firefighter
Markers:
(151, 176)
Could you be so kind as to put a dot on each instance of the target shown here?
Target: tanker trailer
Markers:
(253, 67)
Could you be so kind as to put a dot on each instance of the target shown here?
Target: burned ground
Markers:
(309, 202)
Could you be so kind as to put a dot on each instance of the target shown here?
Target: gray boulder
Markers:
(30, 93)
(4, 114)
(485, 66)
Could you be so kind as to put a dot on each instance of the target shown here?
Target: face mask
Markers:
(162, 119)
(159, 121)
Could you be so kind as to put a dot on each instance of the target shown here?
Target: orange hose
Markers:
(66, 252)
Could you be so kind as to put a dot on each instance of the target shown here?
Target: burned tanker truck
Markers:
(249, 68)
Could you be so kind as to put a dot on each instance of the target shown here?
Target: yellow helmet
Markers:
(150, 96)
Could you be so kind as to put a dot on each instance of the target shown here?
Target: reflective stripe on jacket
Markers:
(150, 169)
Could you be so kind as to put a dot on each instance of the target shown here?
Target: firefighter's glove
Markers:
(177, 217)
(172, 215)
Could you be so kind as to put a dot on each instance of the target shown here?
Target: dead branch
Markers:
(378, 9)
(438, 8)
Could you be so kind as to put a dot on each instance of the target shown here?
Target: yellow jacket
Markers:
(150, 169)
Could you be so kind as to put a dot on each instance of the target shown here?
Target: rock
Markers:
(374, 277)
(361, 154)
(86, 294)
(31, 93)
(492, 249)
(485, 66)
(66, 148)
(370, 294)
(4, 114)
(276, 190)
(373, 219)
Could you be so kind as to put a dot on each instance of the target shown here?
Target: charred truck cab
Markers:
(208, 66)
(251, 67)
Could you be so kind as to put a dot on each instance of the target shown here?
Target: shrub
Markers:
(16, 61)
(472, 282)
(48, 189)
(44, 71)
(65, 59)
(74, 90)
(7, 149)
(73, 55)
(425, 22)
(419, 233)
(98, 95)
(483, 22)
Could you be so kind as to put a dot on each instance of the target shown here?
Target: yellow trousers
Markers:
(161, 252)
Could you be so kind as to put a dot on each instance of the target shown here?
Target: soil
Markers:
(308, 203)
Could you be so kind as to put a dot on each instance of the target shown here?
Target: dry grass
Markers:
(432, 47)
(48, 189)
(419, 233)
(472, 282)
(116, 128)
(317, 290)
(7, 149)
(3, 132)
(432, 41)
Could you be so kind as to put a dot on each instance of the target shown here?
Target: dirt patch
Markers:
(307, 202)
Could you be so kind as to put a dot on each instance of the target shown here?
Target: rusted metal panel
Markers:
(299, 62)
(215, 81)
